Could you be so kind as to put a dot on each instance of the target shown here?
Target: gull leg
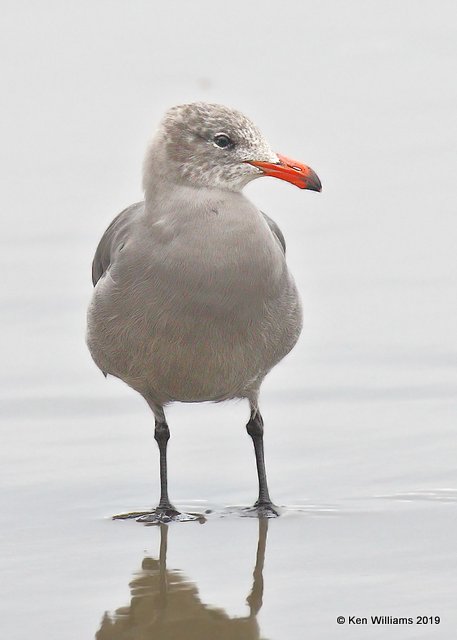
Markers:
(162, 435)
(165, 512)
(254, 427)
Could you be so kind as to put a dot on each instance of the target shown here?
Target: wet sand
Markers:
(360, 418)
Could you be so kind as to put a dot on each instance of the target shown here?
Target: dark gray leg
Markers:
(165, 512)
(162, 435)
(255, 429)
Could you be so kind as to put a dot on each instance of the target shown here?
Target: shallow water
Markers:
(360, 418)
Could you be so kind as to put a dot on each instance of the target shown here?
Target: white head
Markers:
(212, 146)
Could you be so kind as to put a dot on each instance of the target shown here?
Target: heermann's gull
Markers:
(193, 300)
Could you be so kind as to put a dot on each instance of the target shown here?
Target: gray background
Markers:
(360, 418)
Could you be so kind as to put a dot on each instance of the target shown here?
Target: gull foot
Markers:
(262, 510)
(160, 515)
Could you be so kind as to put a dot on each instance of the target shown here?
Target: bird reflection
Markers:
(164, 605)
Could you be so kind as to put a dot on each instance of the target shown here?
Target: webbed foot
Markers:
(263, 510)
(160, 515)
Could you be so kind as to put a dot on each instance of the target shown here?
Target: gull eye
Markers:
(222, 141)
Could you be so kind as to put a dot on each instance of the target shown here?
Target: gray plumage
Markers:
(114, 237)
(112, 240)
(197, 313)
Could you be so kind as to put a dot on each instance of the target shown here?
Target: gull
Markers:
(193, 300)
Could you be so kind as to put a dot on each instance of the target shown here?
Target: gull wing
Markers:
(276, 231)
(114, 236)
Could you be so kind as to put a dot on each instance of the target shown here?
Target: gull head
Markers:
(212, 146)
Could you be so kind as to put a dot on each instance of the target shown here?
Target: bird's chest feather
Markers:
(217, 261)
